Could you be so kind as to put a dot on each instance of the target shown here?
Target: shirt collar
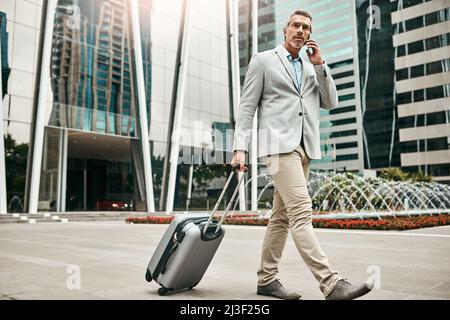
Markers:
(288, 55)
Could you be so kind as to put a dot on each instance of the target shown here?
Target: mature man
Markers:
(288, 93)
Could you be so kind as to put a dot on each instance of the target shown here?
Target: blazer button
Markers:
(300, 113)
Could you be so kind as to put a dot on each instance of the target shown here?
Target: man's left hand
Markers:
(316, 56)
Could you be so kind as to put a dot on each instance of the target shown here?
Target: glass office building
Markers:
(334, 28)
(389, 60)
(377, 82)
(266, 30)
(20, 32)
(79, 120)
(87, 121)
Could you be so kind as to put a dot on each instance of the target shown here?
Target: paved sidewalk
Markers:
(43, 261)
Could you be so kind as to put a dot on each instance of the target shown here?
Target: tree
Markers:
(394, 174)
(204, 174)
(397, 174)
(157, 171)
(421, 177)
(16, 166)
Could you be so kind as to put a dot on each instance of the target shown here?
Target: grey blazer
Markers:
(284, 113)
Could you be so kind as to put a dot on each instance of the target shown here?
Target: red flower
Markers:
(388, 223)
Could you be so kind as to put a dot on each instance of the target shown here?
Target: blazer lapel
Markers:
(287, 65)
(304, 77)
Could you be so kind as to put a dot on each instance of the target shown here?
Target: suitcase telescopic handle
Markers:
(235, 168)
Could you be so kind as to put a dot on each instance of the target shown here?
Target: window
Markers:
(422, 21)
(404, 97)
(435, 67)
(432, 18)
(394, 5)
(421, 120)
(101, 83)
(435, 92)
(419, 95)
(101, 103)
(438, 41)
(408, 147)
(343, 134)
(342, 110)
(414, 23)
(421, 70)
(401, 51)
(341, 64)
(346, 145)
(402, 74)
(435, 118)
(346, 97)
(345, 85)
(410, 3)
(415, 47)
(439, 169)
(343, 74)
(343, 121)
(417, 71)
(347, 157)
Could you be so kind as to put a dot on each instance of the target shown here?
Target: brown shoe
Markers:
(276, 289)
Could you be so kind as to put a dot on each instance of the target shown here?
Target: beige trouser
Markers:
(292, 209)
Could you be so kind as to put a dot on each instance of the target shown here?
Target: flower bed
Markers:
(150, 219)
(389, 223)
(250, 219)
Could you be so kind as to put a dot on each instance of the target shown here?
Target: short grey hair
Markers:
(299, 12)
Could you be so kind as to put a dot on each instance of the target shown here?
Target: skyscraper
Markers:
(422, 66)
(266, 30)
(393, 94)
(376, 74)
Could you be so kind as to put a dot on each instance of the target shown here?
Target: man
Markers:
(288, 93)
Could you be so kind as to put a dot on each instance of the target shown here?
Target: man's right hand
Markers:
(239, 159)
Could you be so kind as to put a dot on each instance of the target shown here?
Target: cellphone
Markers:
(308, 49)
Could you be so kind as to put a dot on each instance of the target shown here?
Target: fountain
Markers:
(347, 195)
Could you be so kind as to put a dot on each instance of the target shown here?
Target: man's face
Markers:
(298, 31)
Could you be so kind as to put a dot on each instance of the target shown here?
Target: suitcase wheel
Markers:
(163, 291)
(148, 276)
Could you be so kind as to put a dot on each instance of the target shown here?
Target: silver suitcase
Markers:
(187, 248)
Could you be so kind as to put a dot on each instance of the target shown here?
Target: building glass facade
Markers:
(376, 67)
(20, 34)
(92, 147)
(392, 80)
(206, 101)
(334, 28)
(91, 141)
(266, 41)
(267, 32)
(377, 52)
